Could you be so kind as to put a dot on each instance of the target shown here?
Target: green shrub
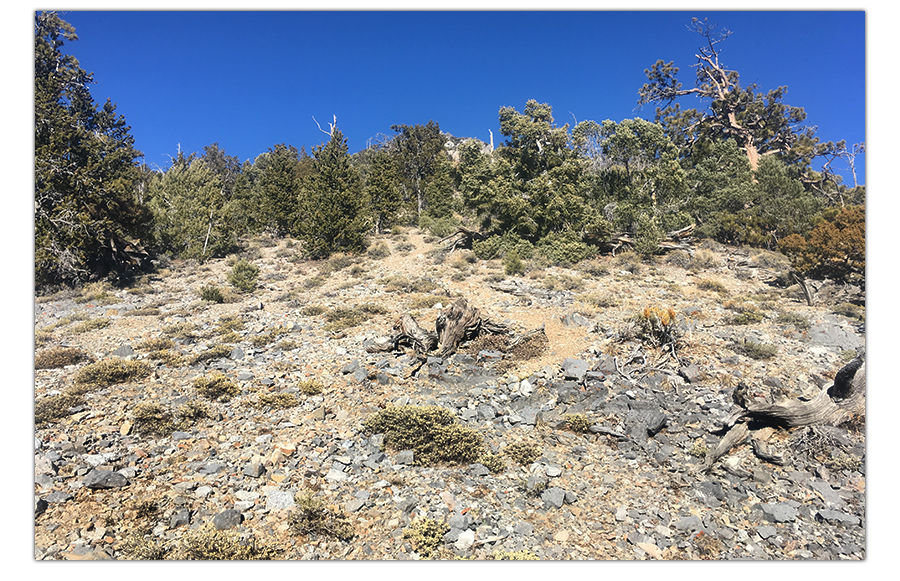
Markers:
(850, 310)
(243, 276)
(55, 407)
(152, 418)
(216, 387)
(493, 462)
(312, 517)
(798, 321)
(430, 431)
(755, 350)
(168, 357)
(341, 318)
(579, 423)
(211, 294)
(111, 371)
(647, 236)
(59, 357)
(214, 352)
(310, 387)
(278, 401)
(712, 285)
(564, 248)
(654, 325)
(91, 325)
(379, 250)
(182, 330)
(523, 453)
(512, 264)
(209, 544)
(426, 535)
(747, 318)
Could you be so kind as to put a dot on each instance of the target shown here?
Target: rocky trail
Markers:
(616, 428)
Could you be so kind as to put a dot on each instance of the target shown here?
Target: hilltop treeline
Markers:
(740, 171)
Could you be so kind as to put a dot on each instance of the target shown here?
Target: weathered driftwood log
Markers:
(832, 406)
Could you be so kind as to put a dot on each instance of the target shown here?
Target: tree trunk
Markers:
(832, 406)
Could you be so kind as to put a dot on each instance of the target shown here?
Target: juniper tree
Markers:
(85, 166)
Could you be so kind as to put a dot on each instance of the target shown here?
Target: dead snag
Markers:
(466, 237)
(832, 406)
(461, 322)
(410, 334)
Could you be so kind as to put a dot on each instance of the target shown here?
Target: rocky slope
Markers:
(622, 484)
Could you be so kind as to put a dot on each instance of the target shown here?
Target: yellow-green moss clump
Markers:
(431, 432)
(579, 423)
(55, 407)
(209, 544)
(523, 453)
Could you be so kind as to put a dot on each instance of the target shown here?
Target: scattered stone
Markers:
(227, 519)
(102, 479)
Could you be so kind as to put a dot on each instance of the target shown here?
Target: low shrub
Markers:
(310, 387)
(493, 462)
(850, 310)
(430, 431)
(210, 544)
(379, 250)
(91, 325)
(214, 352)
(654, 325)
(311, 517)
(55, 407)
(798, 321)
(755, 350)
(111, 371)
(835, 248)
(278, 401)
(523, 453)
(341, 318)
(216, 387)
(712, 284)
(154, 419)
(426, 535)
(243, 276)
(211, 294)
(59, 357)
(579, 423)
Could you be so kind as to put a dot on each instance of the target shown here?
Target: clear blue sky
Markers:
(250, 80)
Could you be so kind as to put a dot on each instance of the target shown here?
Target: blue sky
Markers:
(250, 80)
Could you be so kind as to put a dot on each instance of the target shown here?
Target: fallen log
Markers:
(674, 240)
(832, 406)
(466, 237)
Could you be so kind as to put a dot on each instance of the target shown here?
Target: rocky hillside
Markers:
(260, 426)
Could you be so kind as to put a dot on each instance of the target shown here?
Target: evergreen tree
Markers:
(382, 189)
(192, 211)
(277, 188)
(333, 205)
(85, 167)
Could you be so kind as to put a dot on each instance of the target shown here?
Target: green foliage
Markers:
(333, 205)
(579, 423)
(211, 294)
(647, 237)
(91, 325)
(243, 276)
(192, 217)
(216, 387)
(55, 407)
(312, 517)
(835, 248)
(341, 318)
(426, 535)
(58, 357)
(493, 462)
(712, 284)
(523, 453)
(421, 161)
(379, 250)
(512, 264)
(111, 371)
(85, 167)
(850, 310)
(154, 419)
(755, 350)
(156, 344)
(214, 352)
(310, 387)
(382, 185)
(564, 248)
(430, 431)
(209, 544)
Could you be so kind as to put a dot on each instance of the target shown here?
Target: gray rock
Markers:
(407, 504)
(478, 470)
(465, 541)
(102, 479)
(123, 351)
(829, 495)
(524, 528)
(575, 369)
(40, 505)
(203, 491)
(836, 517)
(460, 521)
(351, 367)
(179, 518)
(254, 470)
(237, 353)
(531, 415)
(227, 519)
(58, 496)
(779, 512)
(354, 504)
(690, 523)
(176, 435)
(690, 373)
(279, 500)
(404, 457)
(553, 497)
(766, 531)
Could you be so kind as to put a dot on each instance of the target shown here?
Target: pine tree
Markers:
(85, 167)
(333, 204)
